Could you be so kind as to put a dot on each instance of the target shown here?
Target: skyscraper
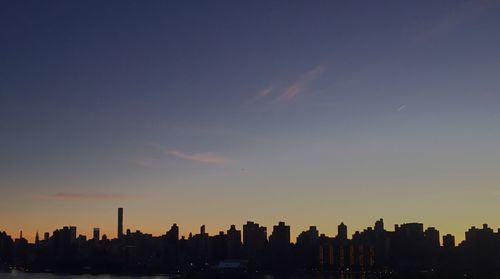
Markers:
(279, 242)
(233, 242)
(431, 236)
(280, 235)
(379, 226)
(342, 232)
(96, 235)
(120, 223)
(173, 234)
(254, 238)
(448, 241)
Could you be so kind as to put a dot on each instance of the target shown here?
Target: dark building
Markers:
(254, 236)
(379, 226)
(172, 247)
(410, 229)
(173, 233)
(6, 250)
(308, 249)
(254, 242)
(431, 236)
(279, 243)
(233, 243)
(72, 231)
(280, 235)
(201, 246)
(448, 241)
(310, 235)
(96, 235)
(342, 232)
(120, 223)
(218, 247)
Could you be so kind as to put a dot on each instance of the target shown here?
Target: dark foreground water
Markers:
(20, 275)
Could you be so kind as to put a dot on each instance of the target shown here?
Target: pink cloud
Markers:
(202, 157)
(292, 89)
(265, 92)
(299, 85)
(85, 196)
(206, 157)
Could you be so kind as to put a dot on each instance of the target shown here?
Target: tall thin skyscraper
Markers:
(97, 234)
(120, 223)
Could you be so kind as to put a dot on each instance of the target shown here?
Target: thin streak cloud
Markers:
(298, 86)
(262, 94)
(290, 90)
(265, 92)
(201, 157)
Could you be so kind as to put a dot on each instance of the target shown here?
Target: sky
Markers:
(220, 112)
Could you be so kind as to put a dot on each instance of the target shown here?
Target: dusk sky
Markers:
(219, 112)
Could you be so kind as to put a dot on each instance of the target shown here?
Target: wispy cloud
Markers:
(86, 196)
(262, 94)
(463, 12)
(401, 107)
(290, 90)
(200, 157)
(299, 85)
(265, 92)
(206, 157)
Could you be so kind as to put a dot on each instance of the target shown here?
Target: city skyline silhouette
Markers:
(121, 228)
(411, 249)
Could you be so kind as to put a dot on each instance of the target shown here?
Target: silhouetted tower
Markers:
(254, 238)
(342, 232)
(37, 238)
(280, 235)
(46, 236)
(96, 234)
(279, 242)
(233, 242)
(173, 233)
(448, 241)
(431, 236)
(203, 245)
(379, 226)
(120, 223)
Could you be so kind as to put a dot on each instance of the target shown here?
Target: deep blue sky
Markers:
(221, 111)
